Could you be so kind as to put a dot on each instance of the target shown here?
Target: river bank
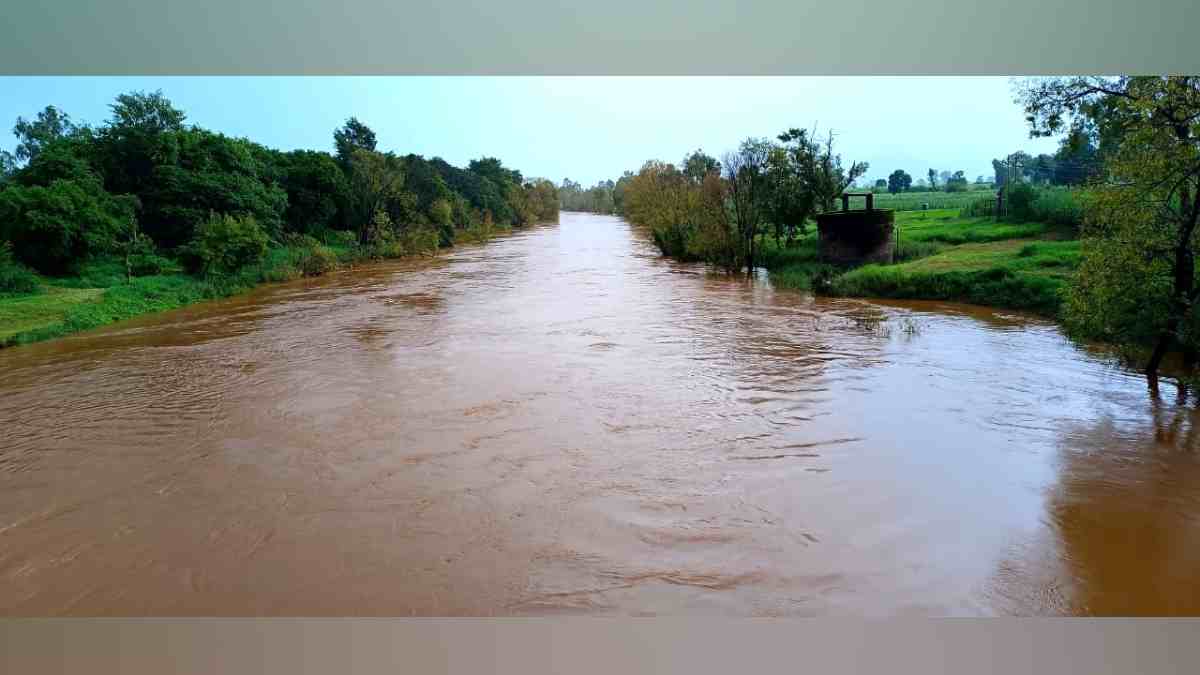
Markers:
(942, 255)
(101, 293)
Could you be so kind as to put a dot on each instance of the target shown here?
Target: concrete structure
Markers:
(856, 237)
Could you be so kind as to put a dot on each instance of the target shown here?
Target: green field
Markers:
(913, 201)
(942, 256)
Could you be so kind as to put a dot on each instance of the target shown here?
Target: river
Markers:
(561, 421)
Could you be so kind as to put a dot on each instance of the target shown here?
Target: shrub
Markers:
(1059, 207)
(149, 264)
(980, 208)
(296, 240)
(15, 277)
(420, 240)
(1019, 199)
(339, 238)
(225, 244)
(317, 260)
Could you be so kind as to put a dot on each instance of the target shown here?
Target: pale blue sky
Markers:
(584, 128)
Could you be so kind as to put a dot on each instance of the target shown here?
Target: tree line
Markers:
(1129, 151)
(146, 183)
(723, 211)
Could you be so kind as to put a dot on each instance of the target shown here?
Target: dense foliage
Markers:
(723, 211)
(1137, 283)
(72, 193)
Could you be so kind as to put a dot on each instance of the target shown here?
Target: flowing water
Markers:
(561, 421)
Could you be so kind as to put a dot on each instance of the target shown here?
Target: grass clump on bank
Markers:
(943, 256)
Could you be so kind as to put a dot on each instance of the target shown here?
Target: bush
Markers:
(15, 277)
(225, 244)
(338, 238)
(980, 208)
(1019, 199)
(1059, 206)
(295, 240)
(420, 240)
(317, 260)
(149, 264)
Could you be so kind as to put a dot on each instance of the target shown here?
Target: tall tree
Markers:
(1142, 225)
(821, 168)
(697, 165)
(350, 138)
(376, 184)
(747, 177)
(51, 124)
(899, 181)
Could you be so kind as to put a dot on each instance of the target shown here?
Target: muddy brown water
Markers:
(563, 422)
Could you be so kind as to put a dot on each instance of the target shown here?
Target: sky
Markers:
(583, 128)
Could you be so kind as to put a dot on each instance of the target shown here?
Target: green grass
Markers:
(947, 227)
(912, 201)
(26, 314)
(942, 256)
(1016, 274)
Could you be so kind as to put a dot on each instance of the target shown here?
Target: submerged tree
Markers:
(747, 177)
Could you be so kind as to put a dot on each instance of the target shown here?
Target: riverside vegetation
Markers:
(1101, 235)
(144, 213)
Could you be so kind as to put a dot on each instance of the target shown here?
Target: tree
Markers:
(51, 124)
(697, 165)
(821, 169)
(791, 197)
(182, 176)
(543, 196)
(659, 197)
(1138, 275)
(881, 184)
(1000, 170)
(64, 158)
(1041, 169)
(54, 228)
(148, 113)
(933, 179)
(955, 182)
(1077, 159)
(352, 137)
(899, 181)
(747, 180)
(376, 184)
(318, 193)
(8, 166)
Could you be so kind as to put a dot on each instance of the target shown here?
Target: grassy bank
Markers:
(101, 293)
(944, 256)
